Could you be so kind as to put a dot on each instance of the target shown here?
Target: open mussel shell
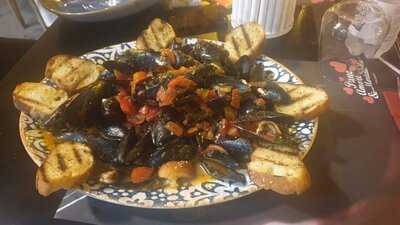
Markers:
(178, 149)
(273, 93)
(83, 109)
(143, 60)
(121, 67)
(182, 59)
(260, 115)
(219, 154)
(219, 171)
(111, 111)
(159, 134)
(203, 51)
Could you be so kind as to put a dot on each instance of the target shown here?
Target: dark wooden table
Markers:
(20, 204)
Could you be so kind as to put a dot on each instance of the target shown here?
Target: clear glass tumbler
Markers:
(353, 28)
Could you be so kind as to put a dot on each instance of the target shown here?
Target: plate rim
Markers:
(30, 149)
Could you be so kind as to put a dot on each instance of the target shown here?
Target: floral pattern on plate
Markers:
(185, 195)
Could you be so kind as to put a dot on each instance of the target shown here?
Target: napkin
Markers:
(393, 103)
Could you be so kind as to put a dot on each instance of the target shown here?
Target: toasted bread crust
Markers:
(307, 102)
(278, 171)
(247, 39)
(38, 100)
(282, 185)
(157, 36)
(67, 166)
(72, 73)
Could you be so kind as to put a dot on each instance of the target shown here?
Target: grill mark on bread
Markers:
(154, 33)
(61, 162)
(246, 37)
(236, 46)
(302, 97)
(77, 155)
(146, 45)
(72, 73)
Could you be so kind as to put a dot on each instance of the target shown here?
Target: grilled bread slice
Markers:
(278, 171)
(72, 73)
(157, 36)
(307, 102)
(68, 165)
(247, 39)
(38, 100)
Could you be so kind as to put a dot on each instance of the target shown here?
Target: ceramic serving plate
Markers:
(96, 10)
(200, 192)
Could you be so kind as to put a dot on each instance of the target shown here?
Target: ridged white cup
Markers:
(276, 16)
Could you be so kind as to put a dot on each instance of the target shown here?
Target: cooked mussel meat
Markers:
(272, 92)
(219, 154)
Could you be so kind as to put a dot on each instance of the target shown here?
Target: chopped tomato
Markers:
(181, 82)
(176, 86)
(166, 52)
(230, 113)
(181, 71)
(192, 131)
(235, 101)
(206, 95)
(233, 132)
(120, 76)
(141, 174)
(126, 103)
(136, 119)
(137, 78)
(165, 98)
(150, 112)
(175, 128)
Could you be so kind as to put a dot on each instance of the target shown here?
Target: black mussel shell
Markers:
(105, 149)
(114, 132)
(121, 67)
(240, 148)
(143, 60)
(272, 92)
(223, 158)
(263, 114)
(219, 171)
(111, 110)
(178, 149)
(258, 73)
(242, 68)
(85, 109)
(183, 59)
(72, 136)
(159, 134)
(204, 51)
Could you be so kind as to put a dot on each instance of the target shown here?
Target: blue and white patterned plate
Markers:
(200, 193)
